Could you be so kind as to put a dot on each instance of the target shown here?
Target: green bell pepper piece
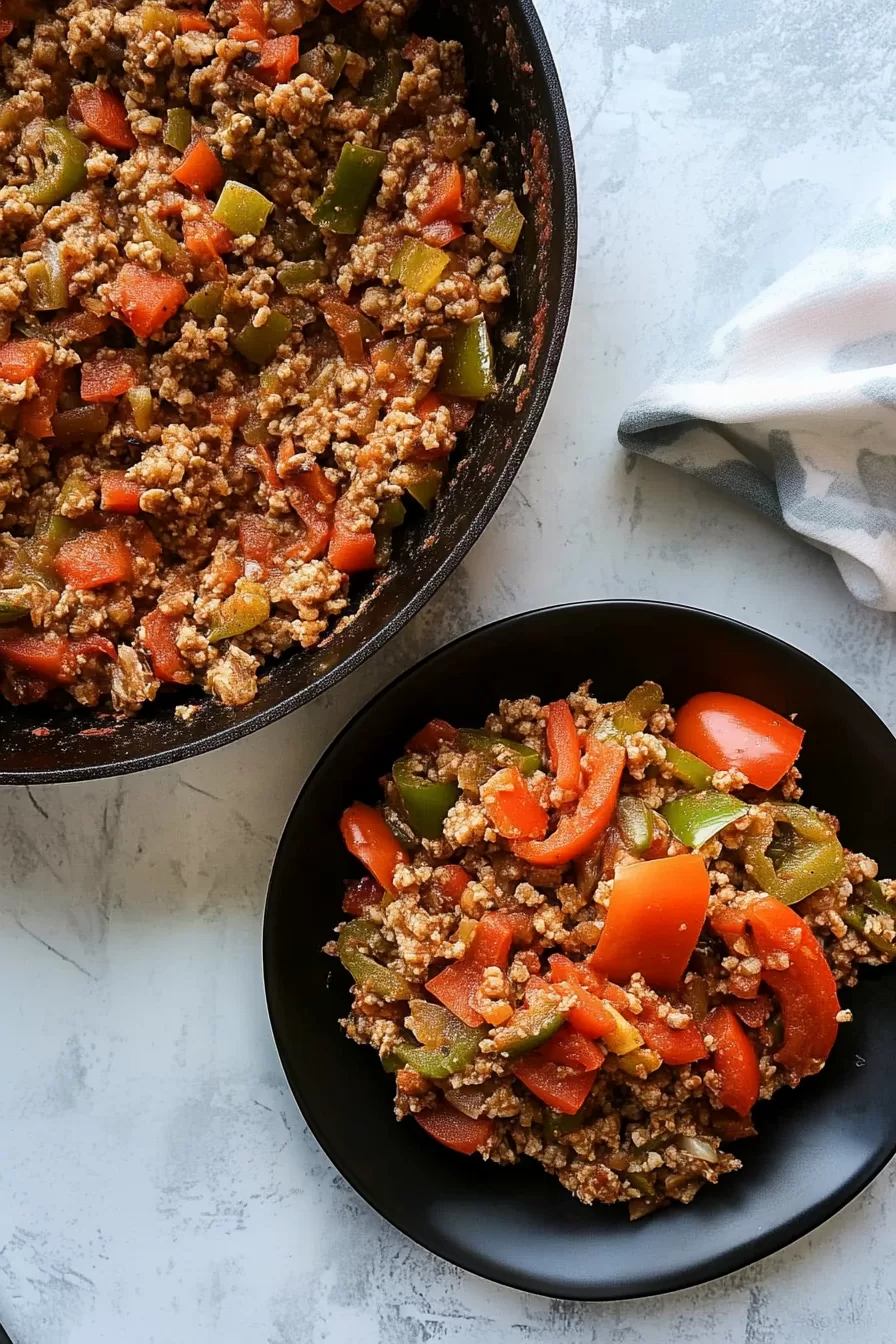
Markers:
(344, 201)
(855, 918)
(248, 607)
(65, 169)
(294, 276)
(526, 759)
(425, 489)
(242, 209)
(141, 406)
(539, 1024)
(557, 1125)
(47, 280)
(417, 266)
(635, 821)
(393, 513)
(812, 860)
(206, 302)
(468, 365)
(325, 63)
(637, 707)
(456, 1050)
(260, 344)
(505, 226)
(156, 233)
(688, 769)
(380, 90)
(695, 818)
(425, 802)
(178, 128)
(12, 607)
(871, 893)
(352, 948)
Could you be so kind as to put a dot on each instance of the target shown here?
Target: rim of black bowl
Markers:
(563, 168)
(762, 1247)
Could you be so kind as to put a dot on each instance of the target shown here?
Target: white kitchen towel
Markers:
(793, 407)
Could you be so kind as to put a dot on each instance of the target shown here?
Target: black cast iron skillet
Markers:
(818, 1146)
(516, 98)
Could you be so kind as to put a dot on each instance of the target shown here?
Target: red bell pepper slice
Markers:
(191, 21)
(445, 195)
(106, 379)
(806, 990)
(207, 239)
(454, 987)
(589, 1016)
(683, 1045)
(277, 57)
(250, 25)
(572, 1049)
(258, 542)
(577, 832)
(451, 881)
(361, 895)
(367, 836)
(554, 1084)
(118, 494)
(103, 113)
(441, 232)
(734, 1060)
(656, 913)
(312, 494)
(452, 1128)
(159, 640)
(432, 736)
(730, 732)
(563, 744)
(21, 360)
(6, 26)
(36, 415)
(94, 559)
(146, 299)
(753, 1012)
(51, 658)
(199, 169)
(348, 550)
(512, 808)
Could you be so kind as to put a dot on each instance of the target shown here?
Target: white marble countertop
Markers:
(158, 1185)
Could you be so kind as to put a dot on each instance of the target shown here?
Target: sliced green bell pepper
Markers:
(505, 226)
(294, 276)
(426, 802)
(12, 607)
(141, 405)
(426, 488)
(468, 364)
(417, 266)
(855, 918)
(695, 818)
(811, 859)
(206, 302)
(871, 893)
(635, 821)
(65, 169)
(352, 948)
(260, 344)
(178, 128)
(156, 233)
(538, 1023)
(457, 1047)
(325, 63)
(47, 281)
(242, 209)
(248, 607)
(380, 89)
(557, 1125)
(688, 769)
(637, 707)
(526, 759)
(344, 201)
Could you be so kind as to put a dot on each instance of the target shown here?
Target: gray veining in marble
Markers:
(157, 1185)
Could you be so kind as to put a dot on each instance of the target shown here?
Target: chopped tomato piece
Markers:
(36, 415)
(146, 299)
(730, 732)
(573, 1049)
(199, 169)
(369, 839)
(349, 550)
(806, 990)
(106, 379)
(21, 360)
(654, 919)
(441, 232)
(206, 239)
(361, 895)
(448, 1126)
(577, 832)
(344, 322)
(118, 494)
(682, 1045)
(454, 987)
(734, 1060)
(250, 25)
(312, 494)
(753, 1012)
(563, 744)
(103, 113)
(159, 640)
(451, 881)
(445, 196)
(258, 542)
(512, 808)
(277, 57)
(553, 1083)
(191, 21)
(94, 559)
(589, 1015)
(521, 928)
(432, 736)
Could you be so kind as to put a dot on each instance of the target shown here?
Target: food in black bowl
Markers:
(282, 285)
(610, 940)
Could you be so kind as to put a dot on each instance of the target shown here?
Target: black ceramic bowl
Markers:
(817, 1147)
(516, 98)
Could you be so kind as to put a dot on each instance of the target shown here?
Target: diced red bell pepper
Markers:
(277, 57)
(146, 299)
(191, 21)
(250, 25)
(451, 1127)
(350, 551)
(522, 930)
(806, 990)
(199, 169)
(589, 1015)
(654, 920)
(206, 239)
(312, 494)
(432, 736)
(577, 832)
(21, 360)
(258, 542)
(445, 195)
(344, 322)
(753, 1012)
(140, 538)
(159, 640)
(36, 415)
(106, 379)
(361, 895)
(369, 839)
(94, 559)
(454, 987)
(730, 732)
(683, 1045)
(103, 113)
(6, 27)
(118, 494)
(572, 1048)
(451, 881)
(79, 326)
(734, 1060)
(563, 744)
(51, 658)
(260, 459)
(554, 1084)
(441, 232)
(512, 808)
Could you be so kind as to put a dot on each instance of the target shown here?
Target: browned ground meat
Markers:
(258, 483)
(649, 1131)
